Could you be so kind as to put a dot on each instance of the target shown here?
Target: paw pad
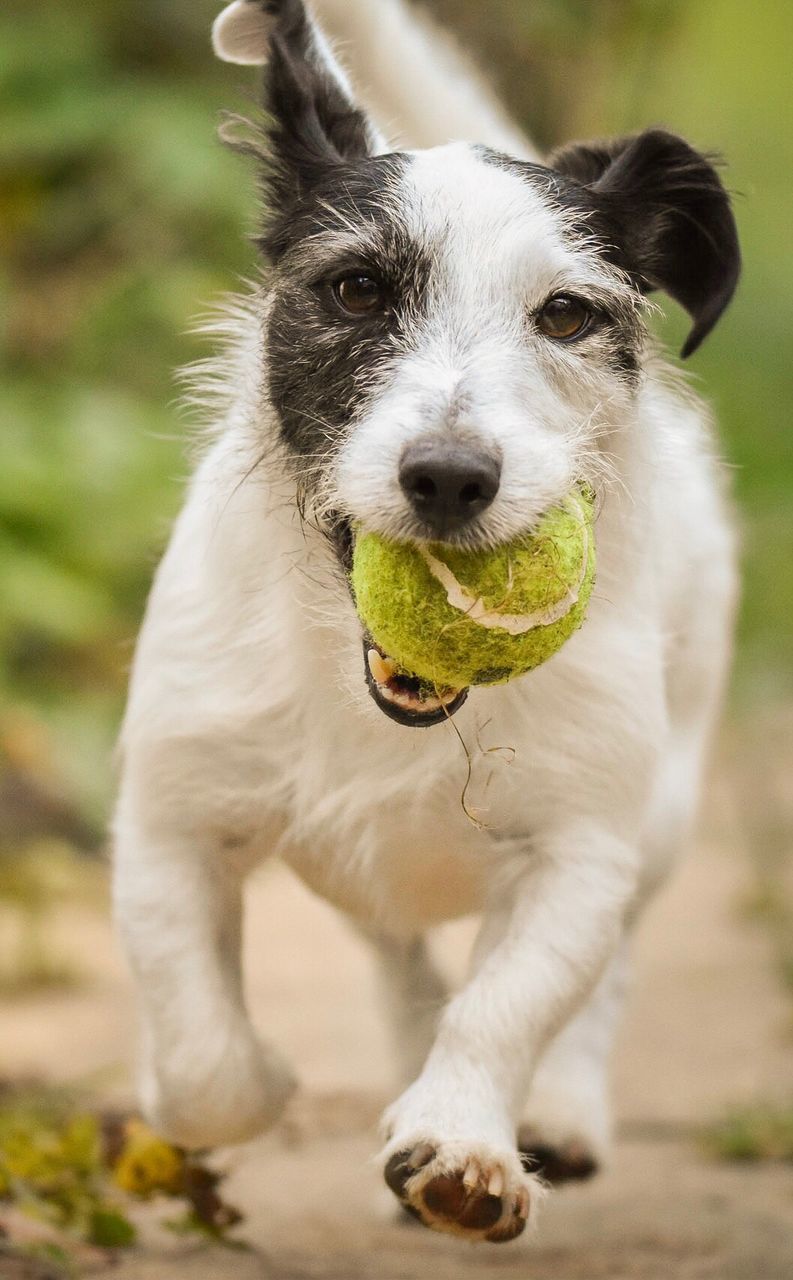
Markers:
(478, 1199)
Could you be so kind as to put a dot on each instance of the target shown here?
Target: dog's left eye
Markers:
(359, 294)
(564, 318)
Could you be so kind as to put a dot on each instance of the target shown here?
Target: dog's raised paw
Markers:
(474, 1196)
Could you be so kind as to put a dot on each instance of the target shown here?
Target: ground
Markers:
(708, 1025)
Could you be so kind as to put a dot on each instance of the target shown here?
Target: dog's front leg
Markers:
(206, 1079)
(451, 1154)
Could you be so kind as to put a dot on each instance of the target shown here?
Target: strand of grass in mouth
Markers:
(511, 752)
(469, 771)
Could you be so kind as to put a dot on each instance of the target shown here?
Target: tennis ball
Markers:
(454, 617)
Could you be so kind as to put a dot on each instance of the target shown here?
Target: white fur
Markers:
(249, 731)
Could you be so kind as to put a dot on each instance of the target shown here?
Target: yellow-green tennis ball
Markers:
(455, 618)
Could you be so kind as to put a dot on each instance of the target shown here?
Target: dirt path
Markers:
(705, 1027)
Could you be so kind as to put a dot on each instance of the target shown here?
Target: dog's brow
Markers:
(602, 281)
(327, 245)
(602, 285)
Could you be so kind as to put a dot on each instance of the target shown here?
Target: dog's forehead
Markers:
(475, 205)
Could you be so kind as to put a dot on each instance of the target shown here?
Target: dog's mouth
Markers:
(402, 697)
(405, 698)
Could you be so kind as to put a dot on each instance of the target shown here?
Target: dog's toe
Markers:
(402, 1166)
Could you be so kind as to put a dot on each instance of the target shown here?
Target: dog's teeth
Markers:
(411, 703)
(495, 1186)
(382, 669)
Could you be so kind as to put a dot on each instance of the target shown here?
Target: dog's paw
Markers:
(199, 1102)
(556, 1162)
(469, 1192)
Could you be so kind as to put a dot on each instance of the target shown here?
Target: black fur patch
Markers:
(323, 365)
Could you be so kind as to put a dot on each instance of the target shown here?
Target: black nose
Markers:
(448, 483)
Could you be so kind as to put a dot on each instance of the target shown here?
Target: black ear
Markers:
(313, 120)
(669, 216)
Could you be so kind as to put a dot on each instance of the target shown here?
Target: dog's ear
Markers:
(241, 33)
(313, 122)
(670, 215)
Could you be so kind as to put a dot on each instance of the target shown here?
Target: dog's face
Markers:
(452, 335)
(446, 347)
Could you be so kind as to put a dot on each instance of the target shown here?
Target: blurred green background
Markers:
(121, 217)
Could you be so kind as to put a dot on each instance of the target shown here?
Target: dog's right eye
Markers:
(564, 318)
(359, 294)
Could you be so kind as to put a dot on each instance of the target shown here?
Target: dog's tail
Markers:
(415, 80)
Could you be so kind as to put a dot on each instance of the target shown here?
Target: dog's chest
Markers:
(402, 829)
(399, 884)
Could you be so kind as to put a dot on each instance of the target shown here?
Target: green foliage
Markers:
(80, 1175)
(759, 1132)
(51, 1168)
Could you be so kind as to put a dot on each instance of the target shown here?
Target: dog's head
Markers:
(452, 334)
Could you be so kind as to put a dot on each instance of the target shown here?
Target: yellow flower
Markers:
(148, 1163)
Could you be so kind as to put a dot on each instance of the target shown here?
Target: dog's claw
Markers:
(421, 1155)
(472, 1175)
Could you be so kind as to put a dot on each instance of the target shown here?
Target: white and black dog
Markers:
(447, 336)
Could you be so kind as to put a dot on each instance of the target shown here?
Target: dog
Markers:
(448, 333)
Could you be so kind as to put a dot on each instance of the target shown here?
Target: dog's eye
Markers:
(564, 318)
(359, 294)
